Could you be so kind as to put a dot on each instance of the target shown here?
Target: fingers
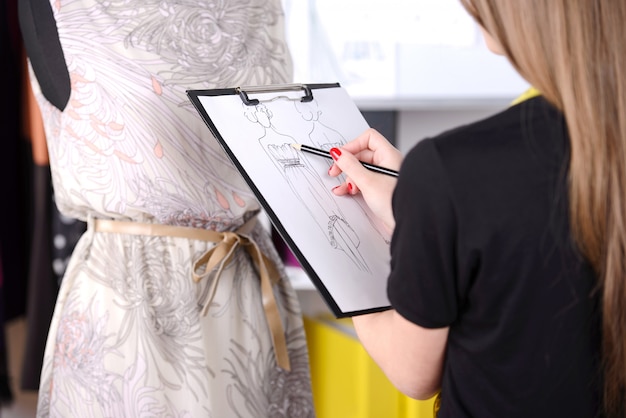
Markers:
(371, 147)
(347, 163)
(334, 170)
(376, 188)
(346, 188)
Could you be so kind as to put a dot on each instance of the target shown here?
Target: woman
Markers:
(144, 324)
(508, 281)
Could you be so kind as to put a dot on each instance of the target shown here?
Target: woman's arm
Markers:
(410, 356)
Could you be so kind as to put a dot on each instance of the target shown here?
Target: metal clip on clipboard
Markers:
(245, 91)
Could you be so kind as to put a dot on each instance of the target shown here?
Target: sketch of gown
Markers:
(320, 135)
(307, 186)
(325, 137)
(128, 338)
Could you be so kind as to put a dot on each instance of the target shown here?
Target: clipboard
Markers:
(336, 239)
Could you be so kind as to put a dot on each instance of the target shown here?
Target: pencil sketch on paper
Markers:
(325, 137)
(306, 185)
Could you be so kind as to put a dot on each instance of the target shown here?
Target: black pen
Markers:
(326, 154)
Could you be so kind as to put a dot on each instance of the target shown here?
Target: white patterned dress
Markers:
(128, 337)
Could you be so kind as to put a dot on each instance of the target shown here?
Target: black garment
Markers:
(482, 244)
(43, 47)
(42, 286)
(15, 164)
(54, 237)
(14, 189)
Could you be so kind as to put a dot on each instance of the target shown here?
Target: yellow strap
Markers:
(528, 94)
(218, 256)
(437, 404)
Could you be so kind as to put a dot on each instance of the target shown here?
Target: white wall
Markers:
(396, 50)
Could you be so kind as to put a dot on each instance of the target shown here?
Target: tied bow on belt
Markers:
(218, 257)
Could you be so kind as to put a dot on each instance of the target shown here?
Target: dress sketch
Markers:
(129, 337)
(321, 136)
(306, 185)
(325, 137)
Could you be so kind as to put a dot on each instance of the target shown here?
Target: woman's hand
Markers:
(377, 189)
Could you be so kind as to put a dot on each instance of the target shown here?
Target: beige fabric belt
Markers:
(218, 256)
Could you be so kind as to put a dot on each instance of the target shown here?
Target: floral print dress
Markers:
(129, 337)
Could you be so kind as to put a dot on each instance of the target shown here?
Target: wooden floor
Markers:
(24, 403)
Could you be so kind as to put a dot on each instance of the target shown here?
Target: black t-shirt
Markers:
(482, 244)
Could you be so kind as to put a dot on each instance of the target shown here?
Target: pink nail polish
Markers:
(335, 153)
(350, 187)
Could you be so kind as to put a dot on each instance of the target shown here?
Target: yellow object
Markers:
(346, 381)
(528, 94)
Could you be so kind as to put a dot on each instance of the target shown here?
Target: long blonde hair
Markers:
(574, 53)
